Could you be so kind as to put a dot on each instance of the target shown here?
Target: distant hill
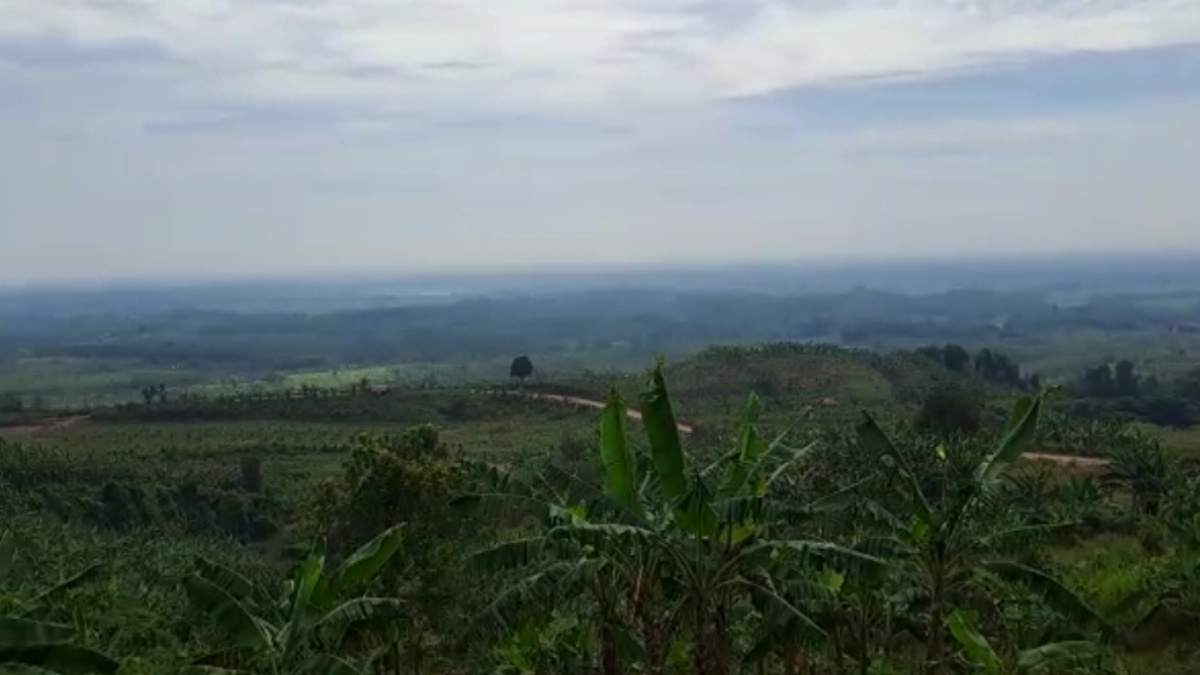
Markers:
(831, 383)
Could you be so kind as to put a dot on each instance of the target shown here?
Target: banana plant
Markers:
(674, 549)
(40, 645)
(299, 632)
(947, 540)
(726, 523)
(1055, 657)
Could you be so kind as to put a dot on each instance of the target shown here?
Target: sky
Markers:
(234, 138)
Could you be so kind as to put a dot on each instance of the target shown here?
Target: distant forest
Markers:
(635, 320)
(1054, 319)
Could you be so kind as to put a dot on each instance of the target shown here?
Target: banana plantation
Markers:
(632, 546)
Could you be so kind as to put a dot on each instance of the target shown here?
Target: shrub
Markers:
(250, 469)
(950, 410)
(405, 478)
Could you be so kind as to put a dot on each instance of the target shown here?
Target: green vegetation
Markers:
(301, 631)
(39, 644)
(105, 348)
(521, 368)
(751, 519)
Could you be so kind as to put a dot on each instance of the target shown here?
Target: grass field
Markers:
(80, 382)
(72, 382)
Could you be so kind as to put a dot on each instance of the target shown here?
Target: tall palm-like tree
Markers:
(671, 549)
(948, 539)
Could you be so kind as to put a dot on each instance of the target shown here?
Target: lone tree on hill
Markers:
(521, 368)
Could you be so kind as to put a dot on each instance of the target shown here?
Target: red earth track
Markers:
(1065, 461)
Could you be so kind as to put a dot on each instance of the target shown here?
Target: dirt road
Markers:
(1065, 461)
(599, 405)
(1069, 461)
(46, 426)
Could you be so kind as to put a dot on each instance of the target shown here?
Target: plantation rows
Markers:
(874, 547)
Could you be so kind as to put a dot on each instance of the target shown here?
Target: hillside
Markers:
(827, 383)
(254, 479)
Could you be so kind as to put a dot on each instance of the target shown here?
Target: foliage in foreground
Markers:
(677, 562)
(304, 630)
(42, 645)
(869, 551)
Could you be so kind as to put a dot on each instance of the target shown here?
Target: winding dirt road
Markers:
(47, 426)
(1068, 461)
(599, 405)
(1078, 462)
(1065, 461)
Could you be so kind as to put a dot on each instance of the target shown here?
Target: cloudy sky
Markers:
(208, 138)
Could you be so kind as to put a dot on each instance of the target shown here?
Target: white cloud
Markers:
(789, 44)
(521, 54)
(425, 133)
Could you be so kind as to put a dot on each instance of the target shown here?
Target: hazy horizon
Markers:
(1077, 277)
(831, 264)
(267, 139)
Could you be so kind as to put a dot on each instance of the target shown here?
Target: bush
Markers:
(950, 410)
(459, 409)
(405, 478)
(1168, 411)
(124, 507)
(250, 469)
(1143, 468)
